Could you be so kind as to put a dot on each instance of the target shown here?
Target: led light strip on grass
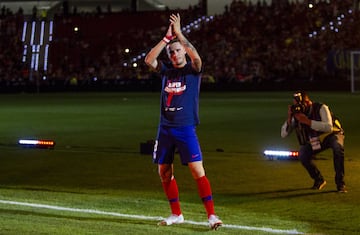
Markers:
(37, 143)
(281, 155)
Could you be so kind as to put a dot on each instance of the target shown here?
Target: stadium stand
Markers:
(262, 44)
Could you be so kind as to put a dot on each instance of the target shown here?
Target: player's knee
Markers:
(165, 174)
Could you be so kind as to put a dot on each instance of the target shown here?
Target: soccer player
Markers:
(178, 119)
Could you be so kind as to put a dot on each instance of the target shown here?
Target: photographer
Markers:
(317, 130)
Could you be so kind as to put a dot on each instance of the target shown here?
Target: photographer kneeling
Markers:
(317, 129)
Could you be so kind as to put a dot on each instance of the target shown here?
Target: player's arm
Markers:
(189, 48)
(151, 58)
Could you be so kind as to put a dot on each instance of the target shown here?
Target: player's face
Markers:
(176, 53)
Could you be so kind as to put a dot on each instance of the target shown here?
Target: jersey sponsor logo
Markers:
(173, 88)
(177, 88)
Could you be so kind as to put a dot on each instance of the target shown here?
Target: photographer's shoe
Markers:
(342, 189)
(319, 184)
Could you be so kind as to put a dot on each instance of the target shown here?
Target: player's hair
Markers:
(171, 42)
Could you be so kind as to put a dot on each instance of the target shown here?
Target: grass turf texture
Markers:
(96, 164)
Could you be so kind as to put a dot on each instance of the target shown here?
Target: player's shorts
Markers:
(177, 139)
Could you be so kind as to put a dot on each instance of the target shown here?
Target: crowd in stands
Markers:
(11, 68)
(271, 42)
(248, 43)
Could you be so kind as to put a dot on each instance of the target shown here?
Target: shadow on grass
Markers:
(283, 193)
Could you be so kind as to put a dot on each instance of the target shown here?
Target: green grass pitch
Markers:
(96, 171)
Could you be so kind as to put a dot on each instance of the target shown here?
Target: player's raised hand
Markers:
(175, 22)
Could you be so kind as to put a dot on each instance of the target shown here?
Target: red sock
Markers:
(206, 194)
(172, 193)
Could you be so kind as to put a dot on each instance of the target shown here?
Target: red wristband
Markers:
(166, 40)
(169, 37)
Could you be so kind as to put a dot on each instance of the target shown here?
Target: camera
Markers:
(297, 108)
(299, 104)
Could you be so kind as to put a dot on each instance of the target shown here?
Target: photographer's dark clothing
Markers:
(324, 133)
(334, 142)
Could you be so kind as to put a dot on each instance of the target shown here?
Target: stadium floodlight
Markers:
(37, 143)
(281, 155)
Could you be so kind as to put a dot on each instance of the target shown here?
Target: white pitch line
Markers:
(143, 217)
